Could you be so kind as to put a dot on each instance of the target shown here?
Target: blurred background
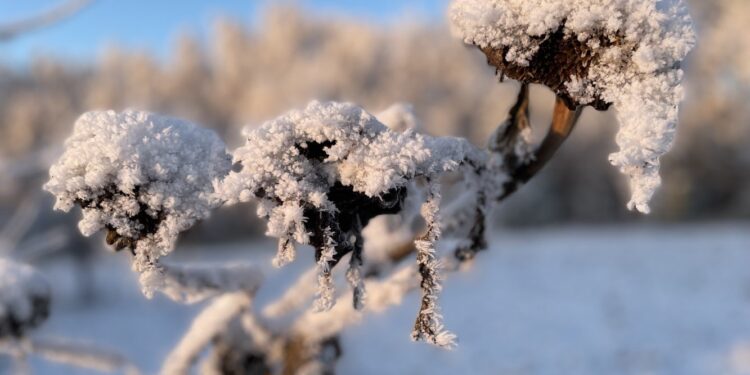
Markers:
(227, 64)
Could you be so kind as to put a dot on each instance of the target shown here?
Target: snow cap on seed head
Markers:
(145, 176)
(625, 53)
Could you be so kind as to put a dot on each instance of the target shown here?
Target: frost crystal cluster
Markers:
(625, 53)
(143, 177)
(324, 172)
(24, 299)
(321, 172)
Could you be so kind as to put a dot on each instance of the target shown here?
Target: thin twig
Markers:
(44, 19)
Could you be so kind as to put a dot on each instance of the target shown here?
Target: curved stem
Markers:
(564, 120)
(515, 162)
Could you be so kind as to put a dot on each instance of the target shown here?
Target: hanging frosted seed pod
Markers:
(597, 53)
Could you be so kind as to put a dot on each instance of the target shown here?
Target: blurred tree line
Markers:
(243, 76)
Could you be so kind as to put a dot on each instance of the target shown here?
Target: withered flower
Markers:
(597, 53)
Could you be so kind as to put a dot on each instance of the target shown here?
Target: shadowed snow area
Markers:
(670, 300)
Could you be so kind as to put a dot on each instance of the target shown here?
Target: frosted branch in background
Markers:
(596, 53)
(24, 299)
(18, 350)
(83, 356)
(316, 327)
(196, 283)
(295, 297)
(207, 325)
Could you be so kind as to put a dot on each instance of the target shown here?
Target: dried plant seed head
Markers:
(330, 167)
(323, 173)
(560, 60)
(624, 53)
(142, 177)
(24, 299)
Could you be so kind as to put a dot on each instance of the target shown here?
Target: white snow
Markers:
(603, 300)
(357, 150)
(400, 117)
(639, 72)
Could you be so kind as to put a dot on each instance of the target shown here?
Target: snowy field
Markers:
(671, 300)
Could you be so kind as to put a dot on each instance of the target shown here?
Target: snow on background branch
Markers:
(24, 299)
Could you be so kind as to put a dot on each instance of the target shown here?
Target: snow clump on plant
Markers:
(625, 53)
(143, 177)
(324, 172)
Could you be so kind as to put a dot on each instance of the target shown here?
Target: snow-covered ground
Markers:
(667, 300)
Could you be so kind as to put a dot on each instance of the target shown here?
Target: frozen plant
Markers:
(322, 174)
(597, 53)
(142, 177)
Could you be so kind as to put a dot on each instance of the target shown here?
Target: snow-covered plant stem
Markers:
(354, 273)
(428, 325)
(513, 161)
(82, 356)
(325, 280)
(206, 326)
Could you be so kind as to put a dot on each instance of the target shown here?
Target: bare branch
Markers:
(44, 19)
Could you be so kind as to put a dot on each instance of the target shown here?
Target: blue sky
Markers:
(153, 24)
